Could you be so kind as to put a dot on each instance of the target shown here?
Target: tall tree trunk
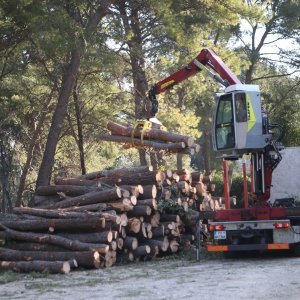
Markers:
(131, 24)
(207, 150)
(5, 168)
(79, 129)
(70, 75)
(32, 145)
(45, 170)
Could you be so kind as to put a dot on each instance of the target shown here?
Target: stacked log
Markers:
(103, 217)
(153, 139)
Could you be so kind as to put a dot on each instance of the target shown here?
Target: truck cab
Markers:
(240, 124)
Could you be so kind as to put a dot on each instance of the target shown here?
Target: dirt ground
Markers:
(267, 277)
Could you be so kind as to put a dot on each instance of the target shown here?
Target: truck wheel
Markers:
(229, 254)
(296, 249)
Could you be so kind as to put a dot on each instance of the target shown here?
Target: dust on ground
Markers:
(266, 277)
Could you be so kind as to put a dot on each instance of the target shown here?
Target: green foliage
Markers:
(36, 39)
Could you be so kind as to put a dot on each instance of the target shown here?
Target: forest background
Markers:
(69, 66)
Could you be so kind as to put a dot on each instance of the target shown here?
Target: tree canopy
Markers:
(69, 66)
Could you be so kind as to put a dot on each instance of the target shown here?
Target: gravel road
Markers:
(265, 278)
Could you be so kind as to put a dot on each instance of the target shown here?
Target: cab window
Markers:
(240, 107)
(224, 127)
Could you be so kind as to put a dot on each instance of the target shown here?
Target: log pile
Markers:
(104, 217)
(153, 139)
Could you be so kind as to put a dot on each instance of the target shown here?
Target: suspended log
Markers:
(53, 267)
(90, 198)
(155, 134)
(137, 142)
(86, 259)
(116, 172)
(53, 239)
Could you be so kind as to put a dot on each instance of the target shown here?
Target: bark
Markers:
(162, 245)
(158, 231)
(91, 207)
(140, 210)
(90, 198)
(130, 243)
(38, 200)
(149, 191)
(86, 259)
(79, 140)
(87, 224)
(30, 246)
(53, 267)
(141, 251)
(71, 190)
(74, 181)
(94, 237)
(67, 85)
(169, 218)
(61, 214)
(148, 202)
(207, 149)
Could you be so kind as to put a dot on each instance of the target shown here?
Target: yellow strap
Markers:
(144, 125)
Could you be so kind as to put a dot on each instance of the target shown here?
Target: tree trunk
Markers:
(69, 77)
(32, 144)
(207, 150)
(79, 140)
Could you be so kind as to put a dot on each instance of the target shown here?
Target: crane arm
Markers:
(206, 60)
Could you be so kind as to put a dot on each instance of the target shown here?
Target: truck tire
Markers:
(296, 249)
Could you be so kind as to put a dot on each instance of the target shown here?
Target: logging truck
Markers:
(241, 127)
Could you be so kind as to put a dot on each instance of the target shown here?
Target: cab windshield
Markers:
(225, 137)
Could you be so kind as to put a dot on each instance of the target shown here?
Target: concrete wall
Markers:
(286, 177)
